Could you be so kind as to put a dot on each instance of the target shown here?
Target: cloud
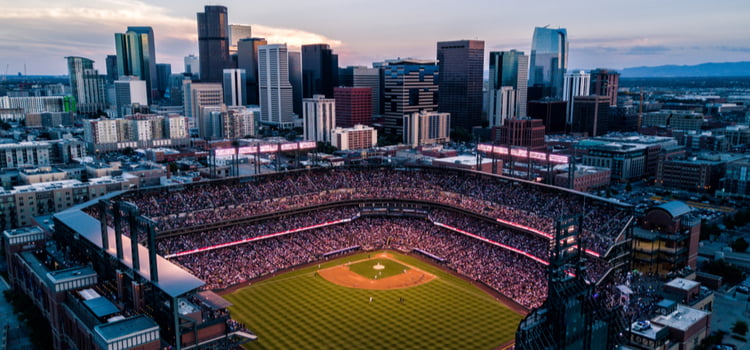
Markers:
(40, 31)
(647, 50)
(294, 38)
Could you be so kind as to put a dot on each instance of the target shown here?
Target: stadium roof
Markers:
(173, 280)
(675, 208)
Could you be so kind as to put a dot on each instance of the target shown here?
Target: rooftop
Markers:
(72, 273)
(681, 319)
(173, 280)
(675, 208)
(114, 331)
(682, 284)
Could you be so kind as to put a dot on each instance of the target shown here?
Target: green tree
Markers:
(730, 273)
(740, 327)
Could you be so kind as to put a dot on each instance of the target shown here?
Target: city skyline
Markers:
(40, 33)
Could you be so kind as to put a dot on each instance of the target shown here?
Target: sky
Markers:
(38, 34)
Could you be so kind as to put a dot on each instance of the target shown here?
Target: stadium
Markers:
(476, 230)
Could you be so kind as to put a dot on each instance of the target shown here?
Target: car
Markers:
(743, 289)
(641, 326)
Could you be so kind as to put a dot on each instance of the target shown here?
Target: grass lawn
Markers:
(366, 269)
(298, 310)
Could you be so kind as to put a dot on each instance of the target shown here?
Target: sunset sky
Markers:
(612, 34)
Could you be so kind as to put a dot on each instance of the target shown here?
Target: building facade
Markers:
(363, 77)
(197, 95)
(213, 43)
(357, 137)
(590, 115)
(461, 66)
(276, 95)
(605, 82)
(424, 128)
(548, 62)
(508, 83)
(87, 86)
(576, 84)
(320, 69)
(523, 132)
(235, 85)
(319, 118)
(129, 91)
(353, 106)
(136, 56)
(409, 86)
(247, 59)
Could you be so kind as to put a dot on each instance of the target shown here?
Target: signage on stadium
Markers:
(538, 156)
(307, 145)
(484, 148)
(223, 152)
(501, 150)
(518, 152)
(269, 148)
(288, 146)
(556, 158)
(247, 150)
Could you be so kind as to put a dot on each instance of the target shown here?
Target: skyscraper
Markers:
(507, 86)
(576, 84)
(295, 78)
(234, 87)
(460, 64)
(86, 85)
(320, 70)
(111, 61)
(163, 72)
(549, 60)
(353, 106)
(590, 115)
(275, 89)
(213, 43)
(238, 32)
(247, 59)
(136, 56)
(409, 86)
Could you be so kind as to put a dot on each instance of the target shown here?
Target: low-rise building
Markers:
(357, 137)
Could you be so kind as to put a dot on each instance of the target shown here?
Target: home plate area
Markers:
(381, 271)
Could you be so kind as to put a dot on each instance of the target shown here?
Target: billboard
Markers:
(307, 145)
(269, 148)
(248, 150)
(289, 147)
(223, 152)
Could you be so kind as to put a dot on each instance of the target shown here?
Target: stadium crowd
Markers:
(500, 269)
(521, 204)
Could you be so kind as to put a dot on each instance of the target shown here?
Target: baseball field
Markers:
(376, 300)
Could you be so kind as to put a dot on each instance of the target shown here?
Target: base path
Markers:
(342, 276)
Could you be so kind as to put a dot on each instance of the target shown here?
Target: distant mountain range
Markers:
(727, 69)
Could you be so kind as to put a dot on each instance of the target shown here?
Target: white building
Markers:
(423, 128)
(502, 106)
(319, 118)
(128, 92)
(235, 93)
(357, 137)
(276, 96)
(576, 84)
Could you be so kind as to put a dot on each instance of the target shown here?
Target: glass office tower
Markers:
(549, 60)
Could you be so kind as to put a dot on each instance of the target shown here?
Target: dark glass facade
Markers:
(549, 61)
(213, 43)
(247, 59)
(320, 70)
(460, 65)
(136, 56)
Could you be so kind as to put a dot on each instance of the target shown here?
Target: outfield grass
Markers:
(298, 310)
(365, 268)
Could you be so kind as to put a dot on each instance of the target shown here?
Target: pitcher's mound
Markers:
(342, 276)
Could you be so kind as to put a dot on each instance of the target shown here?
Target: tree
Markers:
(740, 327)
(730, 273)
(739, 245)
